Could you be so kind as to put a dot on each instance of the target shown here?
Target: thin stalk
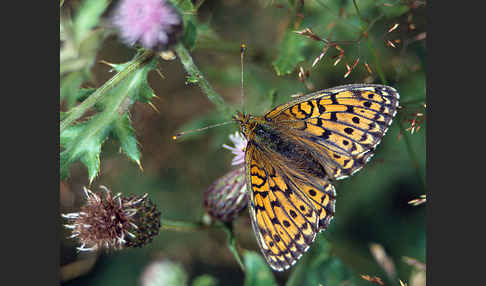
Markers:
(357, 11)
(181, 225)
(232, 245)
(78, 111)
(196, 74)
(196, 226)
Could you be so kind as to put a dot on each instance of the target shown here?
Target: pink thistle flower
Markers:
(155, 24)
(239, 150)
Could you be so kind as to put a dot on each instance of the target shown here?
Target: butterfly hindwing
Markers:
(286, 210)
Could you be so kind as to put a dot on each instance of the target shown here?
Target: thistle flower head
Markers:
(239, 150)
(113, 222)
(226, 197)
(155, 24)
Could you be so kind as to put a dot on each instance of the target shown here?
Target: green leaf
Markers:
(394, 11)
(88, 17)
(190, 35)
(69, 88)
(257, 271)
(319, 266)
(205, 280)
(188, 12)
(124, 132)
(290, 53)
(70, 91)
(83, 141)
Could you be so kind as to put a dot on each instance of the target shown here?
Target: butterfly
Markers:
(294, 154)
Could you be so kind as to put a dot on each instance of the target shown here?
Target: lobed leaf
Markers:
(83, 141)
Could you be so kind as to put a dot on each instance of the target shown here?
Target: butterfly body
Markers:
(294, 153)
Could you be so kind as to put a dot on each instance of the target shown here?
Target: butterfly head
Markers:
(246, 123)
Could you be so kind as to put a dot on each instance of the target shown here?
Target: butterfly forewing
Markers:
(343, 124)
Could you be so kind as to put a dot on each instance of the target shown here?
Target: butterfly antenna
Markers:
(242, 53)
(178, 135)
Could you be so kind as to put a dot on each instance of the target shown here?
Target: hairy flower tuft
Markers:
(155, 24)
(113, 222)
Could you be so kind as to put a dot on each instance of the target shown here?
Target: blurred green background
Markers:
(371, 207)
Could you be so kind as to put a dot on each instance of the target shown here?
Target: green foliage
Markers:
(88, 17)
(320, 267)
(190, 22)
(83, 141)
(258, 273)
(205, 280)
(290, 54)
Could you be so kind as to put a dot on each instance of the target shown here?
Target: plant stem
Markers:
(196, 75)
(195, 226)
(358, 12)
(182, 225)
(231, 240)
(78, 111)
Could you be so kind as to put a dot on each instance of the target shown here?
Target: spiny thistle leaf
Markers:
(257, 271)
(124, 132)
(290, 53)
(83, 141)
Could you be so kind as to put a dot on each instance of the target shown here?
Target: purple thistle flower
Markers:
(155, 24)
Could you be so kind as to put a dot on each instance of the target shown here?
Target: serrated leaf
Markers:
(137, 83)
(257, 271)
(83, 141)
(290, 53)
(124, 132)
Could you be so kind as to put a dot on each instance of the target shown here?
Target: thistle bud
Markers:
(226, 197)
(113, 222)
